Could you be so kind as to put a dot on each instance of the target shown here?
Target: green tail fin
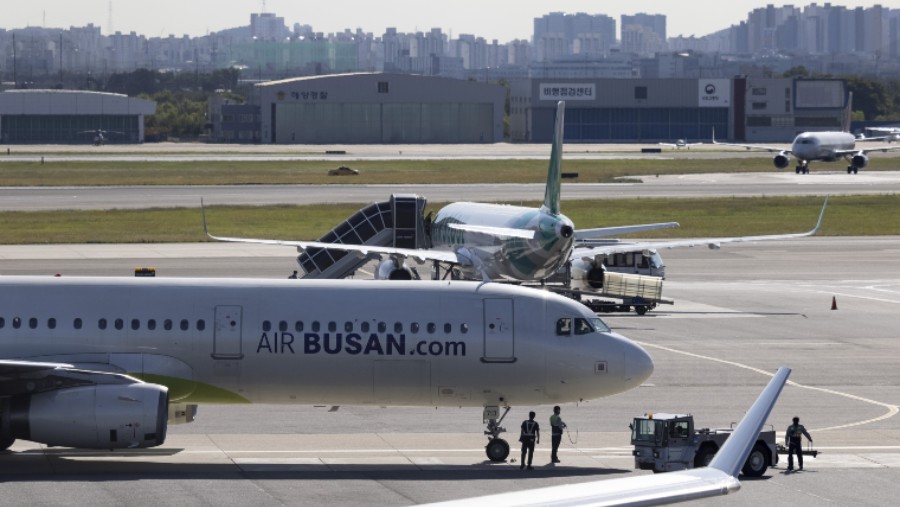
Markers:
(551, 194)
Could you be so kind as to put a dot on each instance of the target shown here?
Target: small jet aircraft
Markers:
(720, 477)
(819, 146)
(100, 135)
(107, 363)
(680, 143)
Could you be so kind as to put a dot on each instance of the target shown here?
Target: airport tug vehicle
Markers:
(670, 442)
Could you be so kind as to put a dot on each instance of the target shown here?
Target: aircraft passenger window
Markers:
(51, 323)
(32, 323)
(267, 326)
(382, 327)
(414, 327)
(2, 322)
(431, 328)
(185, 325)
(283, 326)
(151, 324)
(582, 326)
(167, 324)
(135, 324)
(119, 323)
(201, 325)
(463, 328)
(398, 327)
(316, 326)
(332, 327)
(348, 327)
(101, 323)
(448, 328)
(17, 322)
(298, 326)
(364, 327)
(77, 324)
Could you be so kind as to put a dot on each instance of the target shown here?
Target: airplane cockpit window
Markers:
(582, 326)
(599, 326)
(564, 326)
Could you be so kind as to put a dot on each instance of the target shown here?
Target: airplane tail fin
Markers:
(551, 194)
(731, 457)
(848, 113)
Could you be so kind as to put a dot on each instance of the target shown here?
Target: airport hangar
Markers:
(370, 108)
(749, 109)
(70, 116)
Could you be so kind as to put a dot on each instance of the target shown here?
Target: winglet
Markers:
(731, 457)
(203, 213)
(551, 193)
(821, 216)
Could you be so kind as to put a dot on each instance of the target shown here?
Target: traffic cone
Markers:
(833, 303)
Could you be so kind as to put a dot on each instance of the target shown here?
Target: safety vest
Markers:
(556, 423)
(528, 429)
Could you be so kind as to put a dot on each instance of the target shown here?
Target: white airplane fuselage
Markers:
(422, 343)
(513, 258)
(823, 146)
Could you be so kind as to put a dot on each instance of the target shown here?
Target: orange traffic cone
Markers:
(833, 303)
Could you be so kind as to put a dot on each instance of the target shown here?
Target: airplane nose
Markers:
(638, 364)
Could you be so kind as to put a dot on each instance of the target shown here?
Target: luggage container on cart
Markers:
(621, 292)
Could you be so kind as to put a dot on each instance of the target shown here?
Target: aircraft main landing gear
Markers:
(497, 449)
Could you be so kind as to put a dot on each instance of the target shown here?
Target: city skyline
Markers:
(159, 18)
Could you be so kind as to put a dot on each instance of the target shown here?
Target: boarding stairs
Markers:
(397, 223)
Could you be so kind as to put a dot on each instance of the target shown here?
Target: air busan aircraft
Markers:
(719, 478)
(500, 242)
(105, 363)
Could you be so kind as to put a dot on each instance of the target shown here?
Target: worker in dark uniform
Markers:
(293, 275)
(556, 429)
(793, 438)
(531, 434)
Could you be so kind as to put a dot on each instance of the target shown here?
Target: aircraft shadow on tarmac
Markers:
(45, 465)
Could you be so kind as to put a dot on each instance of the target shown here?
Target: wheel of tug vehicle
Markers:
(757, 462)
(497, 450)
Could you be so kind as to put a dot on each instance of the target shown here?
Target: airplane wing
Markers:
(673, 145)
(500, 232)
(719, 478)
(602, 232)
(420, 255)
(588, 251)
(843, 153)
(771, 149)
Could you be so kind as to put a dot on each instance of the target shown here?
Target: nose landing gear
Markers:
(497, 449)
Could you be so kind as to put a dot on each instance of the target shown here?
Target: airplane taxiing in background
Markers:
(889, 134)
(108, 363)
(680, 143)
(100, 135)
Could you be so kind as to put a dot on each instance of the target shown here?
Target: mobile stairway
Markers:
(399, 223)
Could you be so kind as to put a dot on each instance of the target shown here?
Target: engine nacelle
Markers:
(781, 160)
(390, 270)
(586, 275)
(91, 417)
(860, 160)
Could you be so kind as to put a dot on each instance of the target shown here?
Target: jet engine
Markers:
(392, 270)
(781, 160)
(90, 417)
(586, 275)
(860, 160)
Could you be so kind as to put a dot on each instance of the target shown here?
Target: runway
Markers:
(698, 185)
(739, 313)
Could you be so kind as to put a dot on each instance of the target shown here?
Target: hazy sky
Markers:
(503, 20)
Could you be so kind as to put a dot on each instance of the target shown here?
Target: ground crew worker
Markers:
(556, 428)
(793, 438)
(531, 434)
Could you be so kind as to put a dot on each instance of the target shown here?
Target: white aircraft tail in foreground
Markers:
(719, 478)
